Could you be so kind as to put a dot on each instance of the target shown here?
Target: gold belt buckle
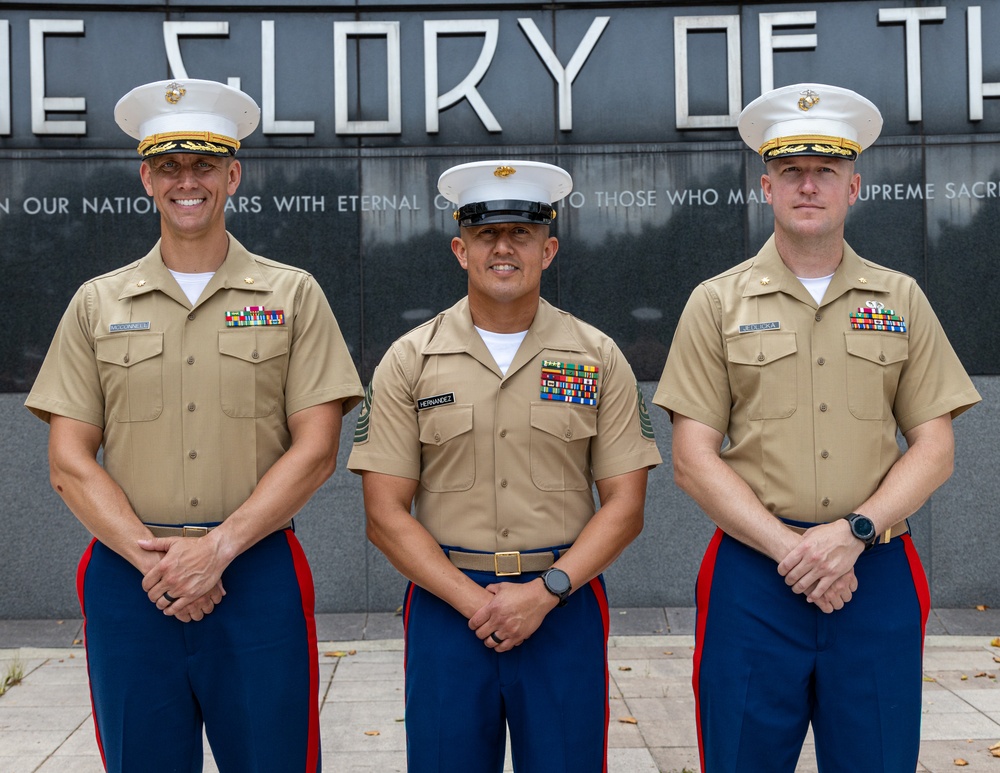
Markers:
(194, 531)
(496, 563)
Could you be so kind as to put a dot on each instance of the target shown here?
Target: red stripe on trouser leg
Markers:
(919, 585)
(703, 592)
(304, 576)
(602, 601)
(81, 574)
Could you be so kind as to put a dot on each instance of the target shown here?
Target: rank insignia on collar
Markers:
(254, 316)
(569, 383)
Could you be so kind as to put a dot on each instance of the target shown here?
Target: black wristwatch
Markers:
(557, 583)
(863, 528)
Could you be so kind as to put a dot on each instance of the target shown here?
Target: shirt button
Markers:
(825, 502)
(191, 407)
(818, 317)
(825, 454)
(190, 360)
(761, 357)
(503, 483)
(881, 357)
(255, 355)
(193, 454)
(568, 433)
(505, 533)
(503, 433)
(821, 361)
(822, 407)
(191, 317)
(194, 502)
(437, 437)
(125, 358)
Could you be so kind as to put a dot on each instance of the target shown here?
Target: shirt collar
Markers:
(240, 270)
(768, 274)
(457, 334)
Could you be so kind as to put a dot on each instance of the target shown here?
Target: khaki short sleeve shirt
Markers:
(811, 403)
(500, 466)
(194, 412)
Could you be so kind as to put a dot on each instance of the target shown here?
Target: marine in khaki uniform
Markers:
(215, 380)
(787, 381)
(494, 420)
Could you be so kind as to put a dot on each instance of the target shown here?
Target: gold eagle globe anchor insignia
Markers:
(174, 92)
(808, 99)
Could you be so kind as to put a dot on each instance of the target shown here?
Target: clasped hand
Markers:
(513, 613)
(189, 572)
(821, 565)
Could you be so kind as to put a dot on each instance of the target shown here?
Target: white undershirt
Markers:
(503, 346)
(816, 286)
(192, 284)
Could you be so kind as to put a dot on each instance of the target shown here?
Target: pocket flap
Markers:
(441, 424)
(880, 348)
(127, 349)
(760, 348)
(253, 346)
(565, 421)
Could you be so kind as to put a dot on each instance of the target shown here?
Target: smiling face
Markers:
(504, 262)
(190, 191)
(810, 195)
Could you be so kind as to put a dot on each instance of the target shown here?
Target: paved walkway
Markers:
(46, 724)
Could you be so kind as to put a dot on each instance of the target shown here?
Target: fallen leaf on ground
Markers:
(372, 732)
(959, 762)
(338, 654)
(982, 607)
(628, 720)
(667, 652)
(995, 642)
(624, 668)
(929, 679)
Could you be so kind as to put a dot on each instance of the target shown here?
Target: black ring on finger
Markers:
(170, 599)
(496, 638)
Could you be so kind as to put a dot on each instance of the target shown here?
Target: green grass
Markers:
(14, 675)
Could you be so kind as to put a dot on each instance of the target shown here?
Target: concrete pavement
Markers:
(46, 724)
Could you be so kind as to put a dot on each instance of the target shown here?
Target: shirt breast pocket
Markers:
(252, 369)
(765, 373)
(448, 449)
(131, 368)
(560, 445)
(874, 363)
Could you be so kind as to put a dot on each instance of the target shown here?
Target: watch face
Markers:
(863, 527)
(557, 581)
